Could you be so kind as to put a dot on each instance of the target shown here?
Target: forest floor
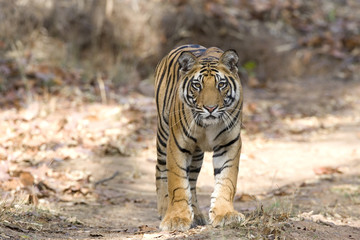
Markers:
(71, 169)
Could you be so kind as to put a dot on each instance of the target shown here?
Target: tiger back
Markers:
(199, 106)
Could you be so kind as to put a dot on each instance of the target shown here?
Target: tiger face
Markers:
(210, 87)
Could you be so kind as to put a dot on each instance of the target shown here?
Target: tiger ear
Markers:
(230, 59)
(186, 60)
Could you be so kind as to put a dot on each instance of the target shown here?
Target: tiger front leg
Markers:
(194, 171)
(179, 214)
(226, 164)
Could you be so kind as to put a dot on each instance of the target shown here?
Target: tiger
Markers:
(199, 100)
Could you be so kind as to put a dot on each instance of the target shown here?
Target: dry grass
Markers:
(16, 214)
(18, 218)
(266, 222)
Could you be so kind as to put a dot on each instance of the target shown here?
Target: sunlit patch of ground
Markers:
(86, 170)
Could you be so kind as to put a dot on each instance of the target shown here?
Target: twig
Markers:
(102, 88)
(107, 179)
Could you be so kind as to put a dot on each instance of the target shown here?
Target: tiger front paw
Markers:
(220, 220)
(178, 223)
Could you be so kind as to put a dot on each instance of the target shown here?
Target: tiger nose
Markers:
(210, 108)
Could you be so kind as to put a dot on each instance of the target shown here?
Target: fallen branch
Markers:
(107, 179)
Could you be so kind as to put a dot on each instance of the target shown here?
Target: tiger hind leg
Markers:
(161, 185)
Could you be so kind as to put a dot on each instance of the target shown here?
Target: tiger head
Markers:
(211, 87)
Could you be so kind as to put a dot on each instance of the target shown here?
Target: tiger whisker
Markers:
(230, 116)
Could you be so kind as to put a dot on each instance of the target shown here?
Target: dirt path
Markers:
(299, 175)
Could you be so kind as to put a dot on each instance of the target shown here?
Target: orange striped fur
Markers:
(199, 103)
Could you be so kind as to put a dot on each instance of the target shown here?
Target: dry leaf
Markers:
(4, 171)
(26, 178)
(326, 170)
(146, 228)
(245, 198)
(284, 190)
(12, 184)
(252, 107)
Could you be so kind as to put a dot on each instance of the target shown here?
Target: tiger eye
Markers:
(222, 84)
(196, 85)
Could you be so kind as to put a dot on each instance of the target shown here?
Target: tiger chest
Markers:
(208, 139)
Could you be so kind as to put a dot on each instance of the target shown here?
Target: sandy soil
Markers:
(299, 175)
